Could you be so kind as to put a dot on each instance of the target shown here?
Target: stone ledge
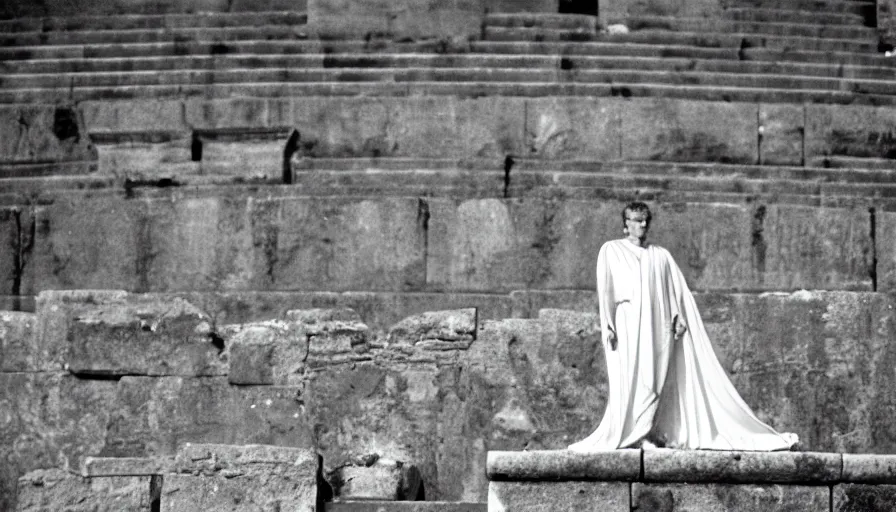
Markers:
(564, 465)
(741, 467)
(126, 466)
(698, 466)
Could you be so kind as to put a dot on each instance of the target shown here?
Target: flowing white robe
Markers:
(671, 392)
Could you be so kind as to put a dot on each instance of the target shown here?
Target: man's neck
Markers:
(640, 242)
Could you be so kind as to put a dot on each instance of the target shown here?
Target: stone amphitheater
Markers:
(339, 255)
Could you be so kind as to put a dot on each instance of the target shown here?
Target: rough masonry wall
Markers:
(114, 374)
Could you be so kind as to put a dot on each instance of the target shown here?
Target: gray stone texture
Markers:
(551, 465)
(42, 133)
(808, 468)
(870, 469)
(574, 128)
(54, 489)
(49, 420)
(854, 130)
(383, 480)
(746, 498)
(206, 410)
(502, 245)
(672, 130)
(886, 20)
(396, 19)
(781, 129)
(142, 335)
(126, 466)
(885, 243)
(17, 342)
(863, 498)
(559, 496)
(272, 352)
(244, 478)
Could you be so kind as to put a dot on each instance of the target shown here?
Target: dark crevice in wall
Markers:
(423, 217)
(292, 145)
(508, 165)
(23, 245)
(758, 243)
(872, 270)
(102, 376)
(155, 493)
(196, 149)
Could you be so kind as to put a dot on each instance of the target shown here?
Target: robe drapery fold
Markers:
(674, 393)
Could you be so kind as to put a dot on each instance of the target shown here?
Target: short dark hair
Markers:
(636, 207)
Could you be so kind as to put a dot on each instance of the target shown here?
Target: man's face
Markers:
(637, 224)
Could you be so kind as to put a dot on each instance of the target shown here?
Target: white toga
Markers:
(661, 390)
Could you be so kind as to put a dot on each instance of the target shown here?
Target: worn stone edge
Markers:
(564, 465)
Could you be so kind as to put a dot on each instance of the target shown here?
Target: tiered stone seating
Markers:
(244, 164)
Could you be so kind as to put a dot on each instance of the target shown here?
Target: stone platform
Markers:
(676, 480)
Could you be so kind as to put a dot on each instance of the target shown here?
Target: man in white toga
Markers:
(666, 386)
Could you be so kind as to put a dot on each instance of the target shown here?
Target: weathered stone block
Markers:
(559, 496)
(398, 19)
(321, 251)
(90, 244)
(746, 498)
(204, 410)
(781, 130)
(55, 489)
(871, 469)
(320, 315)
(272, 352)
(341, 127)
(143, 335)
(48, 420)
(126, 466)
(562, 465)
(382, 480)
(134, 116)
(246, 159)
(448, 326)
(885, 245)
(17, 342)
(851, 130)
(690, 131)
(147, 161)
(741, 467)
(231, 478)
(570, 128)
(177, 237)
(448, 127)
(43, 133)
(863, 498)
(227, 113)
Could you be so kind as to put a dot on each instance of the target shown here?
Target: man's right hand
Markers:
(611, 338)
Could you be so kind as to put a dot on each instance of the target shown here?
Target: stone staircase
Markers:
(239, 161)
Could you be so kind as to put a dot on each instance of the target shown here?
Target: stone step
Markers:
(736, 481)
(861, 8)
(152, 21)
(634, 49)
(300, 47)
(176, 35)
(74, 81)
(792, 15)
(696, 38)
(847, 162)
(447, 88)
(819, 174)
(405, 506)
(543, 20)
(442, 61)
(805, 28)
(207, 47)
(591, 185)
